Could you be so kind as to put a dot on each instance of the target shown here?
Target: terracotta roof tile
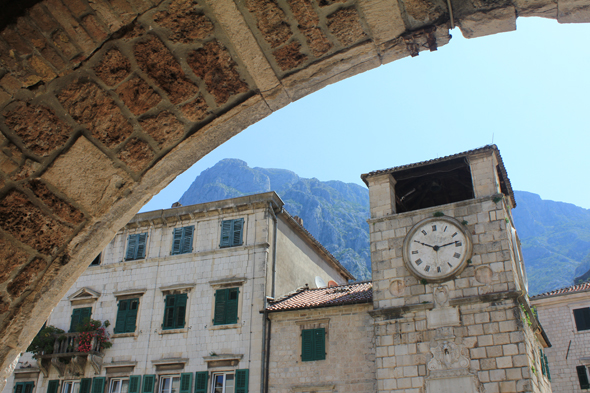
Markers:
(563, 291)
(360, 292)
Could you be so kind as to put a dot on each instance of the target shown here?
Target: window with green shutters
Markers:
(79, 315)
(201, 380)
(134, 384)
(98, 385)
(24, 387)
(231, 233)
(174, 311)
(148, 383)
(136, 245)
(242, 381)
(226, 306)
(53, 386)
(126, 316)
(182, 240)
(85, 385)
(186, 382)
(313, 344)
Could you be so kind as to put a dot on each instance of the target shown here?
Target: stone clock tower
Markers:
(449, 288)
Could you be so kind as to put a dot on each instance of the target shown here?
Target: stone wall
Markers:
(570, 348)
(350, 351)
(103, 103)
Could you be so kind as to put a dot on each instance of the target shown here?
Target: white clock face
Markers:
(437, 248)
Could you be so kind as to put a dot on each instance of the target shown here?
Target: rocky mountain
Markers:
(555, 236)
(555, 239)
(334, 212)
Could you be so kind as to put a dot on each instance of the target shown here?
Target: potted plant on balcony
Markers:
(93, 336)
(44, 341)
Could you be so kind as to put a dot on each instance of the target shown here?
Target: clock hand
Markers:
(448, 244)
(424, 244)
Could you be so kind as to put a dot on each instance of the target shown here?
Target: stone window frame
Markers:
(176, 289)
(137, 231)
(575, 306)
(244, 220)
(318, 323)
(126, 295)
(226, 283)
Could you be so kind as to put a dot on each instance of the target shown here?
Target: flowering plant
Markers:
(91, 329)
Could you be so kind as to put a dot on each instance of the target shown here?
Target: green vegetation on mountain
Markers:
(555, 236)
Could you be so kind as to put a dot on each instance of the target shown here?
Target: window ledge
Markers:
(228, 281)
(173, 331)
(222, 327)
(120, 335)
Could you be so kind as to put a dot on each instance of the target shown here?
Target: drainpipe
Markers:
(266, 363)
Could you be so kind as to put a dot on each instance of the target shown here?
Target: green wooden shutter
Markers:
(180, 311)
(242, 381)
(169, 312)
(28, 387)
(19, 387)
(131, 247)
(177, 241)
(226, 229)
(148, 383)
(141, 242)
(75, 321)
(201, 380)
(53, 386)
(307, 345)
(134, 384)
(231, 306)
(121, 316)
(85, 314)
(547, 366)
(237, 230)
(85, 384)
(319, 348)
(131, 317)
(220, 306)
(98, 384)
(583, 377)
(187, 239)
(186, 380)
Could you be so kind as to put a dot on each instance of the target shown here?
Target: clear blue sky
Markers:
(528, 90)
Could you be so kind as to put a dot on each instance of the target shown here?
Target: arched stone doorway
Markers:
(103, 103)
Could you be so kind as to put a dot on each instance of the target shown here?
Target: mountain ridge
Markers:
(555, 236)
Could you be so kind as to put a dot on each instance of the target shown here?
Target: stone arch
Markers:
(103, 103)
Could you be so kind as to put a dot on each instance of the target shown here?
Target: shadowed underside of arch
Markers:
(104, 102)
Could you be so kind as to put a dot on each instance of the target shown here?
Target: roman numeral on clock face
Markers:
(418, 261)
(438, 269)
(424, 232)
(414, 252)
(434, 228)
(458, 243)
(427, 268)
(454, 234)
(457, 255)
(449, 263)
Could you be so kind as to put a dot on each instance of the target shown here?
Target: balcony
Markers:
(66, 353)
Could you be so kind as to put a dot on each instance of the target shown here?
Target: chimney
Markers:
(299, 220)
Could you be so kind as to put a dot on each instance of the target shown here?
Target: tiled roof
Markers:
(564, 291)
(360, 292)
(494, 148)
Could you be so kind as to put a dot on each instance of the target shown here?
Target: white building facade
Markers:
(183, 289)
(565, 315)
